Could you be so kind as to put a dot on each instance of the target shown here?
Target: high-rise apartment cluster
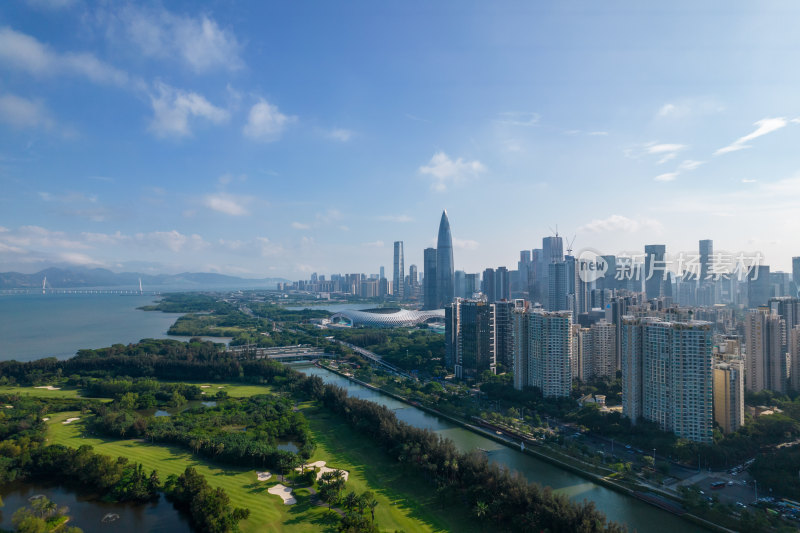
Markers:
(667, 375)
(687, 335)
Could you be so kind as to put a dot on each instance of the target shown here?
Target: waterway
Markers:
(92, 515)
(637, 515)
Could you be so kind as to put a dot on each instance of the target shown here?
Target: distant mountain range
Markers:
(59, 278)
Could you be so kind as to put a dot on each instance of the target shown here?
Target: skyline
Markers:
(258, 141)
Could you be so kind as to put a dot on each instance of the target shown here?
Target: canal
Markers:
(637, 515)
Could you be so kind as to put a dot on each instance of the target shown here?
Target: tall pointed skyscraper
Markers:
(445, 273)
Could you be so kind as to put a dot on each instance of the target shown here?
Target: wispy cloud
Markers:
(340, 134)
(620, 223)
(26, 53)
(689, 107)
(667, 176)
(465, 244)
(666, 151)
(23, 113)
(373, 244)
(228, 204)
(763, 127)
(198, 42)
(446, 171)
(395, 218)
(173, 108)
(690, 164)
(518, 118)
(300, 225)
(265, 122)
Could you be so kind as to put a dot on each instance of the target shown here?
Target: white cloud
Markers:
(374, 244)
(601, 133)
(300, 225)
(664, 151)
(172, 109)
(23, 113)
(75, 258)
(26, 53)
(227, 203)
(667, 109)
(518, 118)
(172, 240)
(667, 176)
(689, 164)
(69, 198)
(620, 223)
(465, 244)
(265, 122)
(745, 180)
(395, 218)
(763, 127)
(689, 107)
(198, 42)
(445, 171)
(340, 134)
(268, 248)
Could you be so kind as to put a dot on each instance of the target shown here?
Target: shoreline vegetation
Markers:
(493, 494)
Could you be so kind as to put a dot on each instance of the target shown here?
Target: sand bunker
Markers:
(284, 492)
(263, 476)
(321, 469)
(70, 420)
(45, 419)
(205, 386)
(9, 406)
(48, 387)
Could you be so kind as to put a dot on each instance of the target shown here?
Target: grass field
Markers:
(236, 390)
(44, 393)
(405, 503)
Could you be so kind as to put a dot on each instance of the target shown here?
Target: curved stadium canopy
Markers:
(396, 318)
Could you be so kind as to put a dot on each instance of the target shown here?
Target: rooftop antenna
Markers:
(554, 231)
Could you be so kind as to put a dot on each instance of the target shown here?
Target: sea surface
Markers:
(58, 325)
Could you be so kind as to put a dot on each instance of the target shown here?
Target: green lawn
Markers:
(44, 393)
(369, 469)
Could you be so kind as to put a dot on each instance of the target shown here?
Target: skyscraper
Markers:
(558, 286)
(502, 284)
(445, 272)
(469, 329)
(654, 270)
(429, 281)
(764, 334)
(758, 286)
(729, 395)
(503, 339)
(796, 273)
(461, 284)
(706, 256)
(553, 249)
(399, 273)
(550, 352)
(413, 282)
(489, 285)
(667, 375)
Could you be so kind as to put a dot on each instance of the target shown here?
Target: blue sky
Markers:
(277, 139)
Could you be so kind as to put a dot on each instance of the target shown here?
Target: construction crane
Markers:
(569, 245)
